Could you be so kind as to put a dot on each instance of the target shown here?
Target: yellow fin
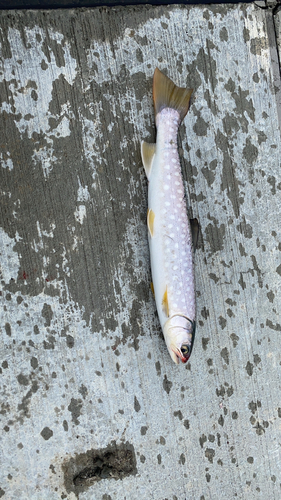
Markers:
(150, 221)
(147, 155)
(167, 95)
(152, 289)
(165, 303)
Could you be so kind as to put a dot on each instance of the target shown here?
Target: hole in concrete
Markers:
(112, 462)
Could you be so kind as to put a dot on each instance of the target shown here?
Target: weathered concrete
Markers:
(88, 387)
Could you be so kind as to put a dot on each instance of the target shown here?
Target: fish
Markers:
(169, 228)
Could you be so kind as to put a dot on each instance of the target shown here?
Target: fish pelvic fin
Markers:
(147, 155)
(165, 303)
(150, 221)
(167, 95)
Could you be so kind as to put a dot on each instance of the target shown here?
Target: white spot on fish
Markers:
(175, 268)
(174, 160)
(166, 187)
(167, 203)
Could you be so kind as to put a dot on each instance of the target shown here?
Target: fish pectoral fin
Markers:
(194, 224)
(152, 289)
(147, 155)
(165, 302)
(150, 221)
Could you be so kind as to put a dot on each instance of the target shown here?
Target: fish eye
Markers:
(185, 349)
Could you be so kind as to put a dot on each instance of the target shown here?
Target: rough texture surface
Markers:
(88, 389)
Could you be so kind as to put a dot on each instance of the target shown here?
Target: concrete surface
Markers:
(92, 406)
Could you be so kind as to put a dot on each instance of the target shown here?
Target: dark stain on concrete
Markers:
(23, 407)
(270, 296)
(272, 326)
(113, 462)
(137, 406)
(186, 423)
(258, 270)
(200, 127)
(222, 322)
(8, 329)
(249, 368)
(46, 433)
(202, 440)
(250, 152)
(258, 44)
(205, 312)
(47, 314)
(205, 342)
(209, 454)
(215, 234)
(272, 181)
(242, 250)
(229, 182)
(178, 414)
(225, 355)
(223, 34)
(75, 407)
(242, 282)
(234, 339)
(167, 384)
(83, 391)
(158, 368)
(34, 362)
(22, 379)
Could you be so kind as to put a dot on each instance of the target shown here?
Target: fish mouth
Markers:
(180, 355)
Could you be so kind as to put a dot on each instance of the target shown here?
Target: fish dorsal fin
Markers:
(167, 95)
(165, 302)
(150, 221)
(147, 155)
(194, 224)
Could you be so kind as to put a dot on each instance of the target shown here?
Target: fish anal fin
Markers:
(165, 303)
(194, 225)
(150, 221)
(147, 155)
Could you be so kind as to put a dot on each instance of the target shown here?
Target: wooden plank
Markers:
(87, 382)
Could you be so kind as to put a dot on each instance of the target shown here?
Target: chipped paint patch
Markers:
(9, 258)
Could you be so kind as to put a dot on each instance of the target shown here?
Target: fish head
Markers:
(179, 332)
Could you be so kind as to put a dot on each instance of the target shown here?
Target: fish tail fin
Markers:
(167, 95)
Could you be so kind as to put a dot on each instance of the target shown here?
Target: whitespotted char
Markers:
(169, 230)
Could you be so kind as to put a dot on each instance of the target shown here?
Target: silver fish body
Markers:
(170, 238)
